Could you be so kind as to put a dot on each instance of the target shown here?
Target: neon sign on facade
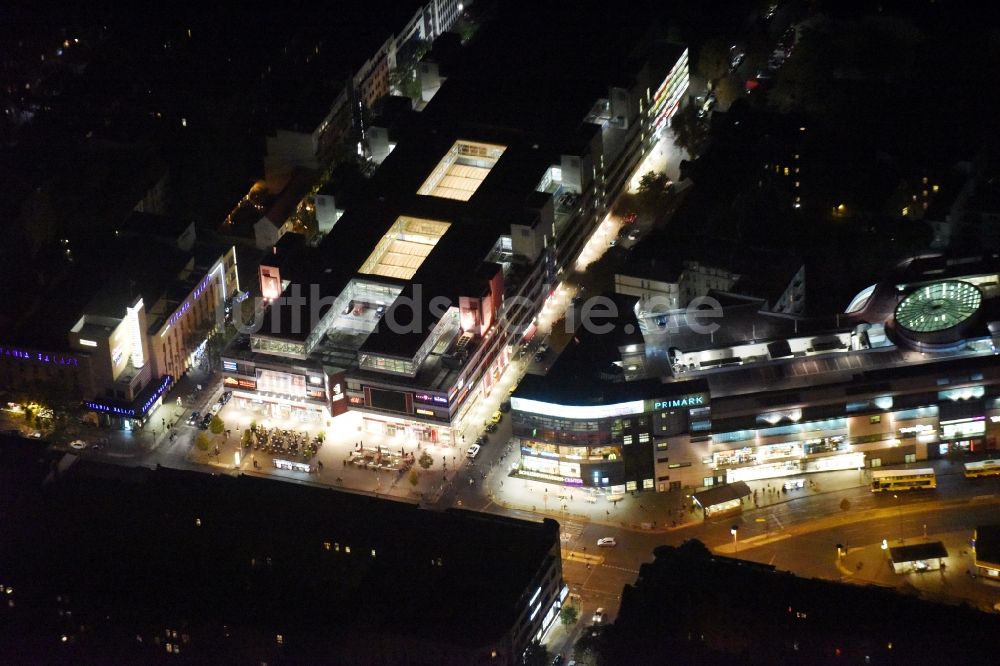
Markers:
(129, 411)
(54, 359)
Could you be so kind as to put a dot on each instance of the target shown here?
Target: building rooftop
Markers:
(736, 605)
(266, 558)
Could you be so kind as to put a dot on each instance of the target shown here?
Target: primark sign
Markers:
(681, 402)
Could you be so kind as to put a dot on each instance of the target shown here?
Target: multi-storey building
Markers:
(418, 295)
(910, 372)
(133, 317)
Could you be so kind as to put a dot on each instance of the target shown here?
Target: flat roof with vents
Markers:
(462, 170)
(404, 247)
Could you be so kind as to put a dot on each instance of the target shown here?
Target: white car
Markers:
(598, 616)
(607, 542)
(473, 451)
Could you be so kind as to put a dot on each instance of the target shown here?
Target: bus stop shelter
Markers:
(918, 557)
(723, 500)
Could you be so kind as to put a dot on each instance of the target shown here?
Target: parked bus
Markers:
(903, 479)
(982, 468)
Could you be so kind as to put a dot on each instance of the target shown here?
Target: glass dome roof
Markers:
(938, 306)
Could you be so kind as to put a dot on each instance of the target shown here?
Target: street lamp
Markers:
(899, 507)
(734, 530)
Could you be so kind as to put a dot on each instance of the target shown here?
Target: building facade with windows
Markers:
(134, 318)
(911, 373)
(429, 281)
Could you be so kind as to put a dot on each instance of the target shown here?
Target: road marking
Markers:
(982, 498)
(780, 526)
(625, 569)
(572, 527)
(580, 556)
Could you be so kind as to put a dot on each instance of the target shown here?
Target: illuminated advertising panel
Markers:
(973, 427)
(283, 383)
(577, 411)
(338, 391)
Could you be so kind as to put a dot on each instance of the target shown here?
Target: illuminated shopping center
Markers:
(416, 299)
(909, 372)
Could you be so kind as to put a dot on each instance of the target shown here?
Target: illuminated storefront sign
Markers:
(337, 392)
(919, 429)
(424, 412)
(54, 359)
(963, 428)
(247, 384)
(229, 366)
(291, 466)
(692, 400)
(426, 397)
(165, 383)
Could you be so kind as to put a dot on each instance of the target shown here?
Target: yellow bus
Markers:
(903, 479)
(982, 468)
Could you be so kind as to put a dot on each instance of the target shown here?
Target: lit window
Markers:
(627, 439)
(643, 437)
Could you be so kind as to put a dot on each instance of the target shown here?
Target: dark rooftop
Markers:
(918, 551)
(252, 554)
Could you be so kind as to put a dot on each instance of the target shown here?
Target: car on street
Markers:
(205, 421)
(481, 440)
(598, 616)
(473, 451)
(795, 484)
(607, 542)
(490, 426)
(505, 406)
(497, 417)
(193, 419)
(633, 235)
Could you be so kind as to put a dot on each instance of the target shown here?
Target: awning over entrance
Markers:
(722, 498)
(918, 557)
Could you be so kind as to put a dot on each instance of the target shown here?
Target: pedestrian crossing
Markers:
(571, 529)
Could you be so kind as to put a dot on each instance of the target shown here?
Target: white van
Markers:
(473, 451)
